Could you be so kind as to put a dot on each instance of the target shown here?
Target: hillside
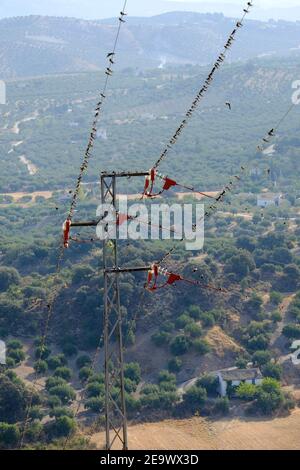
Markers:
(46, 121)
(177, 338)
(36, 45)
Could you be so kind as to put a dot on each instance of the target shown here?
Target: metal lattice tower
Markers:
(115, 407)
(115, 404)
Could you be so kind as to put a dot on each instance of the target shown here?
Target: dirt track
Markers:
(201, 434)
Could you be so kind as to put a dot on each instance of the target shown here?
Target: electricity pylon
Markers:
(115, 402)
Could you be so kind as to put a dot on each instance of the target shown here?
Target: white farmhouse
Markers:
(295, 357)
(234, 377)
(269, 199)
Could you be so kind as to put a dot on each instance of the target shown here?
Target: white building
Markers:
(295, 357)
(234, 377)
(269, 199)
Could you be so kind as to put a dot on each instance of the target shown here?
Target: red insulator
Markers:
(66, 232)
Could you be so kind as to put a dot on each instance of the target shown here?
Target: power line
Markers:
(200, 95)
(93, 135)
(83, 168)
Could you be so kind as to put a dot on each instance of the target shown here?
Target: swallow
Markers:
(110, 54)
(228, 104)
(271, 133)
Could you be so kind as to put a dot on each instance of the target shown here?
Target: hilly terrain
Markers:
(37, 45)
(177, 338)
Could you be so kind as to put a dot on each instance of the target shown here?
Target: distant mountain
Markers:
(37, 45)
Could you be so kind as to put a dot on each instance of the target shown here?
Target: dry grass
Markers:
(226, 434)
(220, 342)
(19, 195)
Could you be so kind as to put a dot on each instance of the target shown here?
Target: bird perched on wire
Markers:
(110, 54)
(228, 104)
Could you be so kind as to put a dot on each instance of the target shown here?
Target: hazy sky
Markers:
(92, 9)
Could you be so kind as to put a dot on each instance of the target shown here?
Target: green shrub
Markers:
(54, 381)
(83, 361)
(8, 278)
(95, 404)
(41, 367)
(63, 372)
(180, 345)
(64, 392)
(64, 426)
(130, 386)
(132, 371)
(85, 373)
(246, 391)
(57, 412)
(222, 406)
(201, 346)
(9, 435)
(272, 370)
(132, 404)
(291, 331)
(36, 413)
(208, 319)
(94, 389)
(183, 321)
(195, 312)
(42, 352)
(150, 389)
(165, 376)
(175, 365)
(276, 316)
(193, 330)
(17, 355)
(195, 398)
(261, 358)
(56, 361)
(10, 363)
(269, 397)
(14, 344)
(54, 402)
(276, 298)
(210, 383)
(34, 431)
